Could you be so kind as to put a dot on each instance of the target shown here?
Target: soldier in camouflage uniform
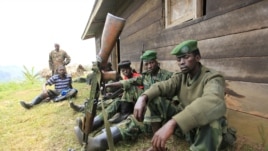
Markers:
(57, 58)
(118, 109)
(130, 128)
(201, 109)
(126, 104)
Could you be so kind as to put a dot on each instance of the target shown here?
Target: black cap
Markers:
(124, 64)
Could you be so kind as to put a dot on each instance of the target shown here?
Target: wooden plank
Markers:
(246, 44)
(153, 16)
(128, 7)
(249, 69)
(143, 10)
(247, 97)
(132, 46)
(247, 126)
(218, 6)
(245, 19)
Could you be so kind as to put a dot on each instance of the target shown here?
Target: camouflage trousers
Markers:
(112, 108)
(204, 138)
(130, 95)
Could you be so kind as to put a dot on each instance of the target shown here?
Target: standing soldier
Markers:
(57, 58)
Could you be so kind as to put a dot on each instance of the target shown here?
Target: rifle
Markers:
(141, 63)
(113, 95)
(111, 31)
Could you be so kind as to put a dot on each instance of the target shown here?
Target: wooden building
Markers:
(232, 37)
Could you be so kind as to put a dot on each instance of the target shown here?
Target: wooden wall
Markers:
(233, 39)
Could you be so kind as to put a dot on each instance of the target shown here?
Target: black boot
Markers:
(97, 123)
(35, 101)
(126, 108)
(79, 134)
(77, 108)
(100, 142)
(26, 105)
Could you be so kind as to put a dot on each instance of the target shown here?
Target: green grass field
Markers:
(49, 126)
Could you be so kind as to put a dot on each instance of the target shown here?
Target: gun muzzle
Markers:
(111, 31)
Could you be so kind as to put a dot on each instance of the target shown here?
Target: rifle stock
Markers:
(111, 31)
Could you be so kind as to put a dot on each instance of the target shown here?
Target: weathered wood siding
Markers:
(233, 39)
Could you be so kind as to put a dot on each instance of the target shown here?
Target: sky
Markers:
(29, 29)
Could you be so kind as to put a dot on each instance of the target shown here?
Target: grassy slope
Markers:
(49, 126)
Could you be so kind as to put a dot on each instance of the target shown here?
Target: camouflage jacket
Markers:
(57, 58)
(146, 80)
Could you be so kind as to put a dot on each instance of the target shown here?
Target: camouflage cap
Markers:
(185, 47)
(148, 55)
(124, 64)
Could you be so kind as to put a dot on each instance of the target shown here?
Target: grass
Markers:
(49, 126)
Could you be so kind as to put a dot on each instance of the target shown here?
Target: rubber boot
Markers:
(97, 123)
(77, 108)
(155, 127)
(35, 101)
(100, 142)
(79, 134)
(126, 108)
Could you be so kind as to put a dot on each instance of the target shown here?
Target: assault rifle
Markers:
(113, 95)
(141, 62)
(111, 31)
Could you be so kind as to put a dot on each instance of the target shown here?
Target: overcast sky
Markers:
(29, 29)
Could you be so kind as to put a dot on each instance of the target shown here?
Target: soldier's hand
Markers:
(140, 108)
(162, 135)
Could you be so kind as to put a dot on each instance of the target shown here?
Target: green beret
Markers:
(148, 55)
(185, 47)
(124, 64)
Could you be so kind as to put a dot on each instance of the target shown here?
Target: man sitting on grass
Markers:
(63, 89)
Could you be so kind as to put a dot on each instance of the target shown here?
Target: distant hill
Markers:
(11, 73)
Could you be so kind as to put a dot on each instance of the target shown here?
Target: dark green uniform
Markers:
(131, 128)
(200, 110)
(132, 91)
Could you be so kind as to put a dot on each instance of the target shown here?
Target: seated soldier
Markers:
(63, 89)
(119, 109)
(126, 107)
